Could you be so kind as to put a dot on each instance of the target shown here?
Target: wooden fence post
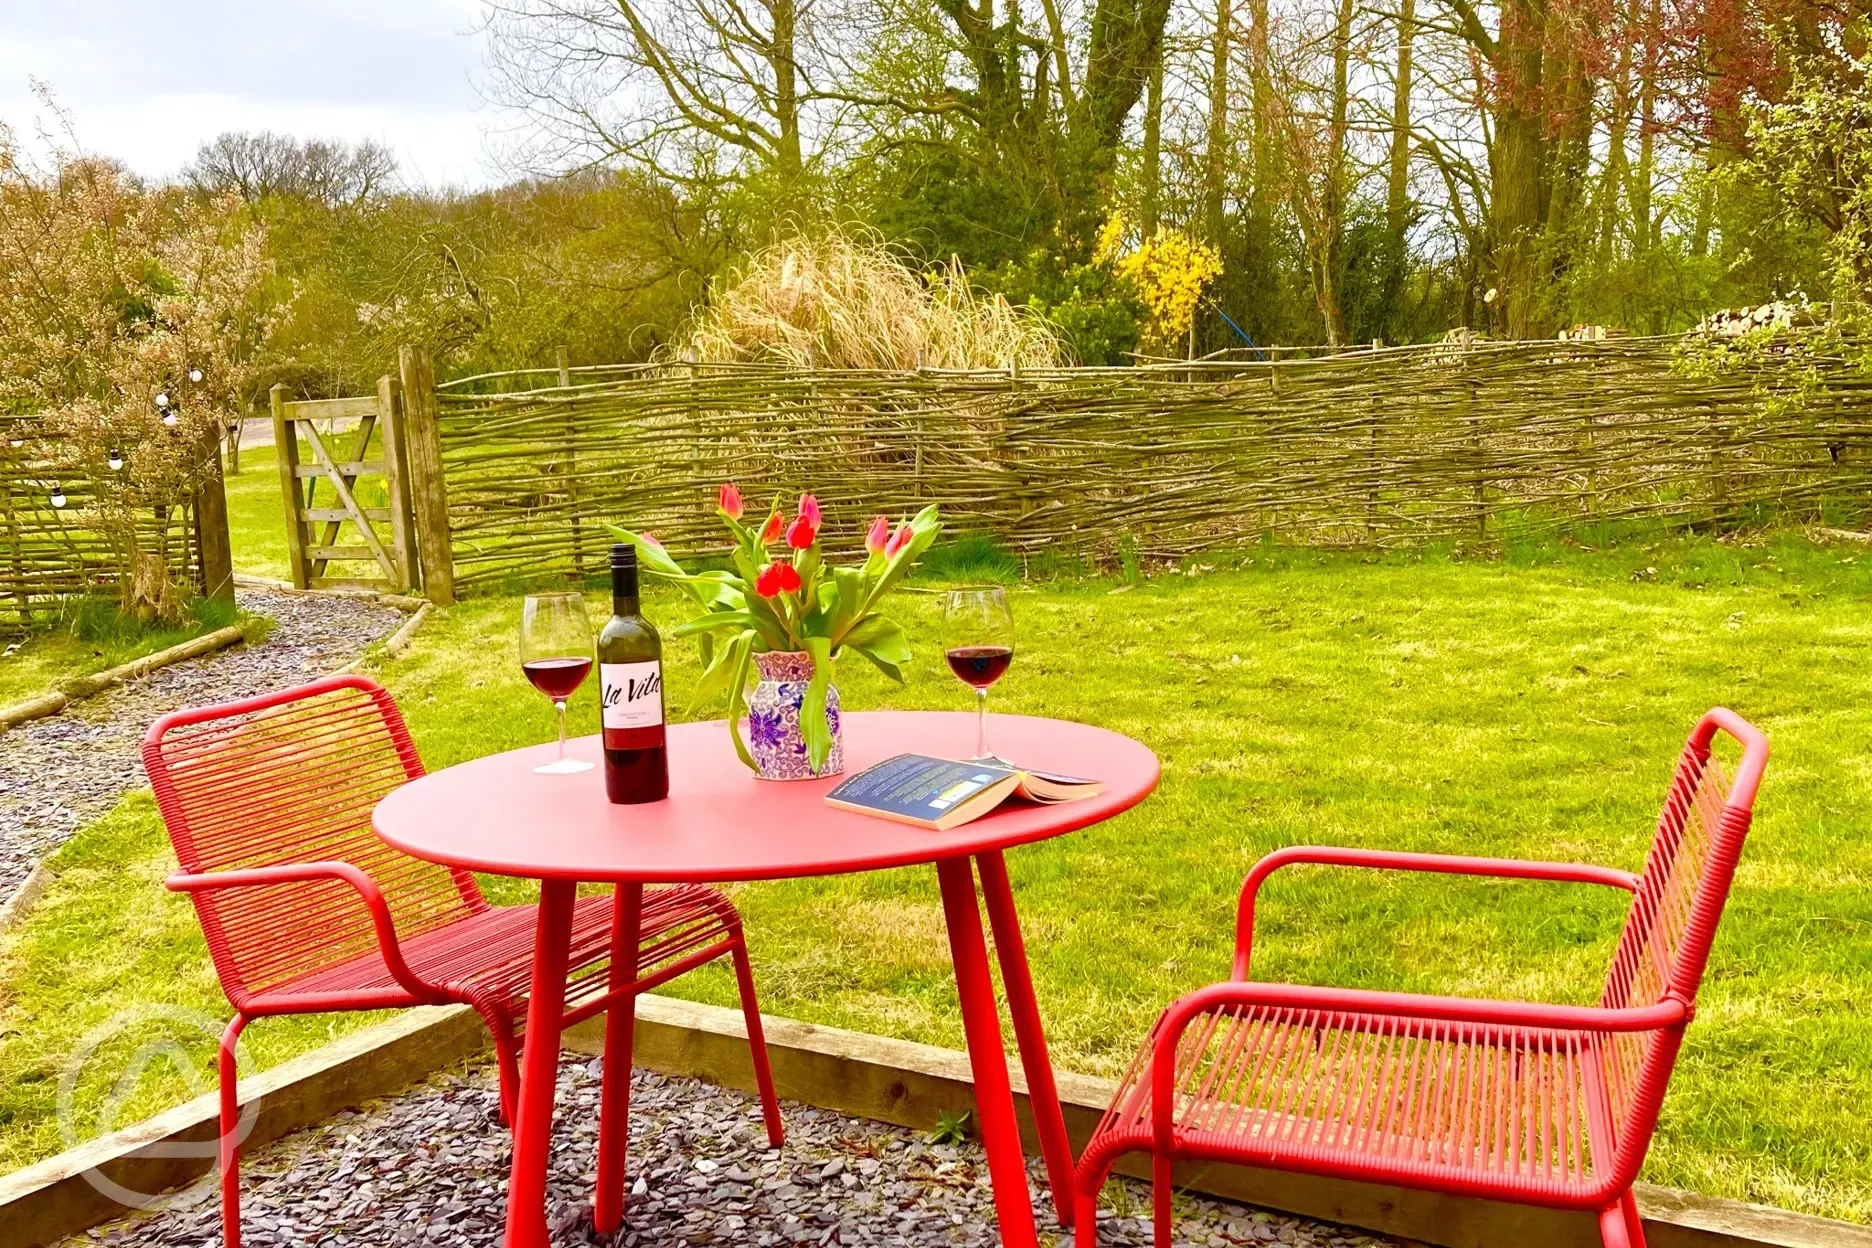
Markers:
(428, 493)
(1474, 419)
(286, 448)
(396, 477)
(212, 546)
(562, 359)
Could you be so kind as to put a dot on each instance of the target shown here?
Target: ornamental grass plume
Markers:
(840, 300)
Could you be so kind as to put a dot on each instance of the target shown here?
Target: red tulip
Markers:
(731, 500)
(899, 540)
(809, 510)
(879, 536)
(777, 578)
(771, 533)
(802, 533)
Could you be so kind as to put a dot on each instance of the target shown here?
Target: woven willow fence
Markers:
(1380, 447)
(51, 552)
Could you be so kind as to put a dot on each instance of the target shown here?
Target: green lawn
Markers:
(1531, 706)
(256, 524)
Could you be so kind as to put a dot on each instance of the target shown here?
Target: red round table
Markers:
(720, 823)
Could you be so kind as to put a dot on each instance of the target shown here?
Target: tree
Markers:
(1814, 149)
(130, 324)
(259, 165)
(691, 89)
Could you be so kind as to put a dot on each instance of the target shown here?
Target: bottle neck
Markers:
(624, 591)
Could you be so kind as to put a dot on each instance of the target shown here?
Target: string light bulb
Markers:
(116, 460)
(169, 418)
(194, 374)
(58, 496)
(162, 398)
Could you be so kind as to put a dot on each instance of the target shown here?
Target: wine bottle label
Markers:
(631, 694)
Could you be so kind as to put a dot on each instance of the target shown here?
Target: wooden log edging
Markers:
(25, 896)
(80, 687)
(401, 640)
(847, 1072)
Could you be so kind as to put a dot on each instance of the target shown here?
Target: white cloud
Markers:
(147, 82)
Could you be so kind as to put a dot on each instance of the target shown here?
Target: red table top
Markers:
(721, 823)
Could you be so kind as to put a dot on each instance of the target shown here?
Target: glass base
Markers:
(564, 767)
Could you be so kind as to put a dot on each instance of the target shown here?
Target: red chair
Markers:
(268, 803)
(1548, 1105)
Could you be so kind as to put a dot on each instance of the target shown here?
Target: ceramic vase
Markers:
(773, 721)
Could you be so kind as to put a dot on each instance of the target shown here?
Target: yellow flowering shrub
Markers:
(1168, 270)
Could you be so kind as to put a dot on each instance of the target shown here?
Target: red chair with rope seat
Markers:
(268, 803)
(1540, 1104)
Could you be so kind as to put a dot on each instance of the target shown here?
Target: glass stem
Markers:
(981, 723)
(560, 704)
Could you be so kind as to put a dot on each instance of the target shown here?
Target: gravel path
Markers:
(430, 1167)
(61, 772)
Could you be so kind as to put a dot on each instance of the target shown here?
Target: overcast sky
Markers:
(147, 81)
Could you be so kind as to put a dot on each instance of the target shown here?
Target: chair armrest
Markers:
(1394, 860)
(303, 872)
(1167, 1036)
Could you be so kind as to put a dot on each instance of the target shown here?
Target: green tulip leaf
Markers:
(716, 675)
(812, 714)
(743, 650)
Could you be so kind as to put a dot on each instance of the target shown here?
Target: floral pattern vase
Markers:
(773, 720)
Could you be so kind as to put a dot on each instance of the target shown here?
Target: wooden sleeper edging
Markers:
(847, 1072)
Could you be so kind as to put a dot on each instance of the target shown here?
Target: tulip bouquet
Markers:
(781, 596)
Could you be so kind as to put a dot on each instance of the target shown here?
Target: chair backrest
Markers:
(285, 778)
(1665, 946)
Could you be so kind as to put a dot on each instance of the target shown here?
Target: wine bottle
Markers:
(630, 679)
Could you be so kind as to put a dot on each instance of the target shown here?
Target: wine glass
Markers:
(556, 655)
(978, 641)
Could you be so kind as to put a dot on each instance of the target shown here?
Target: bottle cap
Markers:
(623, 555)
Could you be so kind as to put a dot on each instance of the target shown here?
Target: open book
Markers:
(941, 793)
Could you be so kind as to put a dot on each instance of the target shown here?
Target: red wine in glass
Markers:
(557, 678)
(979, 666)
(978, 641)
(556, 656)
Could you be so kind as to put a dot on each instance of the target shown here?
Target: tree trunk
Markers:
(1151, 158)
(1397, 183)
(1215, 161)
(1518, 172)
(1334, 194)
(1126, 47)
(1261, 100)
(786, 85)
(1397, 179)
(1616, 179)
(1644, 225)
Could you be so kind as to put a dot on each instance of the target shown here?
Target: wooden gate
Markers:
(341, 527)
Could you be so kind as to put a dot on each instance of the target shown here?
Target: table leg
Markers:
(1029, 1035)
(614, 1093)
(539, 1068)
(994, 1095)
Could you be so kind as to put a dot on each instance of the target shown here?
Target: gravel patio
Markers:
(430, 1167)
(59, 773)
